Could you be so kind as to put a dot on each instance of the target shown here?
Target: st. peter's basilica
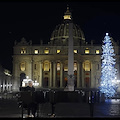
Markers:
(47, 64)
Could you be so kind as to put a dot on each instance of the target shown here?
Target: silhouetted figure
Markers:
(91, 103)
(31, 106)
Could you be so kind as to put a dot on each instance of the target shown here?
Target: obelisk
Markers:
(70, 83)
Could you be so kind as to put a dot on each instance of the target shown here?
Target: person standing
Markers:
(31, 106)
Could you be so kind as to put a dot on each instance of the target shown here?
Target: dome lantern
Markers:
(67, 14)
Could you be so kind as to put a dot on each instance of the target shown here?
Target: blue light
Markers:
(108, 72)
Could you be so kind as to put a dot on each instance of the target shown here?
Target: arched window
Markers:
(75, 66)
(46, 66)
(87, 65)
(87, 51)
(58, 66)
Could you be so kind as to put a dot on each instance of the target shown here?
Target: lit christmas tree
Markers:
(108, 70)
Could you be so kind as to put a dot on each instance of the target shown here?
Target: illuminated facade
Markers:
(48, 63)
(5, 80)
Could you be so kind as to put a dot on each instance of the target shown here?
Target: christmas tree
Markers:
(108, 70)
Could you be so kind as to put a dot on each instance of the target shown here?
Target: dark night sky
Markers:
(37, 20)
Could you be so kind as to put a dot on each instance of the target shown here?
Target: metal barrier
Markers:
(54, 97)
(25, 98)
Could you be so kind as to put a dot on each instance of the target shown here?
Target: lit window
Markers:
(46, 66)
(75, 66)
(65, 67)
(87, 65)
(58, 66)
(36, 51)
(67, 14)
(46, 51)
(23, 51)
(87, 51)
(75, 51)
(67, 17)
(97, 51)
(58, 51)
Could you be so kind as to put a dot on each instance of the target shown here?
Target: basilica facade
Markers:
(48, 63)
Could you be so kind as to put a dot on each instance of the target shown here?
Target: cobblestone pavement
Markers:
(110, 108)
(101, 110)
(9, 108)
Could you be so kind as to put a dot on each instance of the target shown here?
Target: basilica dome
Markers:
(60, 34)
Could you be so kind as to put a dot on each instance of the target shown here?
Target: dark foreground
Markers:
(9, 108)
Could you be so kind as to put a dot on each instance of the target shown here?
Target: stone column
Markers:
(41, 74)
(51, 74)
(7, 81)
(32, 66)
(3, 83)
(16, 81)
(78, 74)
(30, 69)
(54, 73)
(11, 79)
(92, 77)
(81, 73)
(83, 76)
(61, 74)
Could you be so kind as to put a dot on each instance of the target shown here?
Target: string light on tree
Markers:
(108, 70)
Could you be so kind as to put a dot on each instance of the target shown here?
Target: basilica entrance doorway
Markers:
(22, 76)
(45, 83)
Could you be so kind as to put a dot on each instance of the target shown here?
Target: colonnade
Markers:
(53, 73)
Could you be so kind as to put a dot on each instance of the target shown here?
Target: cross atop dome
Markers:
(67, 14)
